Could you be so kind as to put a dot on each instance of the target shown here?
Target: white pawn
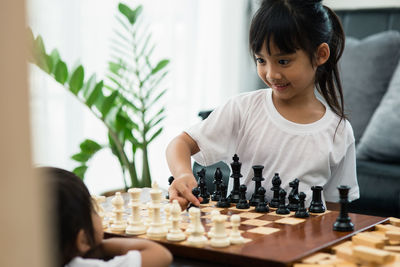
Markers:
(135, 224)
(118, 224)
(211, 232)
(98, 207)
(235, 236)
(197, 237)
(220, 238)
(157, 228)
(189, 228)
(175, 233)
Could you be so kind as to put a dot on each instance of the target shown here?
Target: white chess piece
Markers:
(220, 238)
(135, 224)
(197, 237)
(175, 233)
(235, 237)
(157, 228)
(99, 208)
(167, 211)
(118, 224)
(211, 232)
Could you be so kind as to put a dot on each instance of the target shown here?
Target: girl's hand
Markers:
(181, 190)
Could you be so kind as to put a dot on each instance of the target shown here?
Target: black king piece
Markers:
(236, 166)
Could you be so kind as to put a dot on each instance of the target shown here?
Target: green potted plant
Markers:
(126, 101)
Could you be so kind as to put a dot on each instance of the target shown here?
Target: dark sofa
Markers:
(378, 176)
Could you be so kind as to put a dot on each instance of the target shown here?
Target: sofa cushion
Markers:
(381, 139)
(366, 68)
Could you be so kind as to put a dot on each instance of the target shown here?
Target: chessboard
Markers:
(268, 238)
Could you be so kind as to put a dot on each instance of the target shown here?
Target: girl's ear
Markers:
(323, 53)
(82, 243)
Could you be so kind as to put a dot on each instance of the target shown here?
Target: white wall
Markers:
(356, 4)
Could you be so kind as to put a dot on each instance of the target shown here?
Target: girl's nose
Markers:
(272, 73)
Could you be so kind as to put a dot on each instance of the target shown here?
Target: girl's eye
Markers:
(283, 61)
(260, 60)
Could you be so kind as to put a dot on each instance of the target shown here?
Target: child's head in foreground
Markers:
(290, 26)
(78, 227)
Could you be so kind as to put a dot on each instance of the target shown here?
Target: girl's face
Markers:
(291, 76)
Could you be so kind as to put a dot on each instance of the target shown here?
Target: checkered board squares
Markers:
(255, 222)
(209, 209)
(234, 208)
(283, 215)
(264, 230)
(249, 215)
(289, 220)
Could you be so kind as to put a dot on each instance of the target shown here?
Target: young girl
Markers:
(287, 128)
(80, 233)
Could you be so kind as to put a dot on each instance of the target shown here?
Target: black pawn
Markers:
(196, 193)
(282, 209)
(276, 187)
(243, 203)
(217, 181)
(170, 180)
(302, 210)
(223, 201)
(203, 187)
(343, 222)
(257, 181)
(262, 204)
(316, 206)
(294, 195)
(236, 166)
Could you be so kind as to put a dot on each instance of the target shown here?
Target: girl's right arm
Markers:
(179, 152)
(152, 253)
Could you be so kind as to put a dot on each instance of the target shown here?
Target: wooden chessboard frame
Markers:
(282, 248)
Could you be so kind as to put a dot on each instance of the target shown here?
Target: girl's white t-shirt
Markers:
(130, 259)
(320, 153)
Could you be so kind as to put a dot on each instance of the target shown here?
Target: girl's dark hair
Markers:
(303, 24)
(72, 209)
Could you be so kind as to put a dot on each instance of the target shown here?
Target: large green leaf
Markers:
(96, 93)
(39, 54)
(80, 171)
(160, 66)
(90, 147)
(55, 57)
(89, 86)
(76, 82)
(82, 156)
(61, 72)
(108, 103)
(130, 14)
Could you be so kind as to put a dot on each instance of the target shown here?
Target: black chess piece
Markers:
(302, 210)
(343, 222)
(257, 181)
(294, 195)
(282, 208)
(170, 180)
(203, 187)
(236, 166)
(262, 203)
(316, 206)
(276, 187)
(223, 201)
(243, 203)
(217, 181)
(196, 193)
